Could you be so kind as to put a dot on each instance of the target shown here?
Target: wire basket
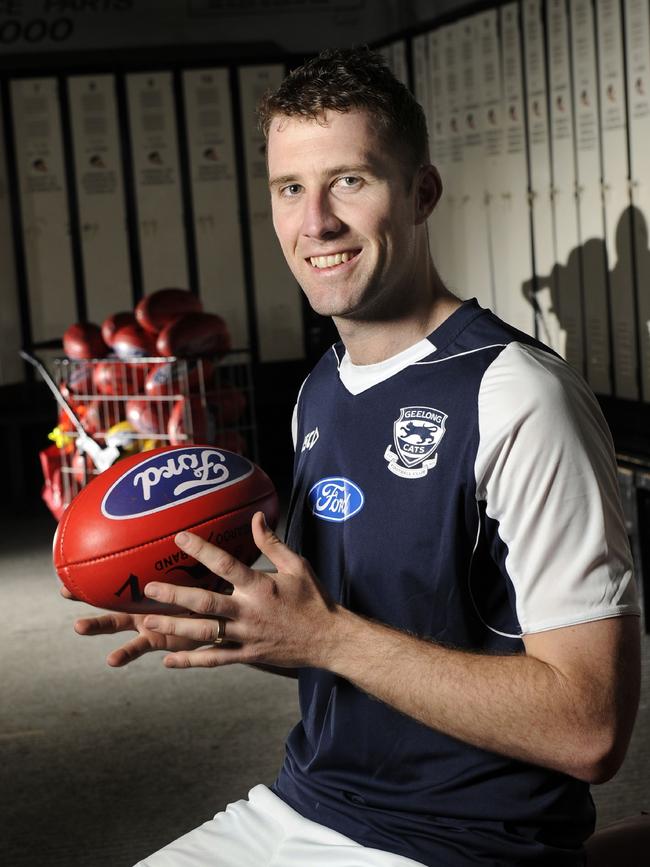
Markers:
(142, 403)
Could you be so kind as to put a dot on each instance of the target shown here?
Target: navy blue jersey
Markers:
(464, 491)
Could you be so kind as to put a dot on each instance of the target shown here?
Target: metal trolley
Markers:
(112, 407)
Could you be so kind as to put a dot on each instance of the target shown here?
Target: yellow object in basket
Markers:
(124, 436)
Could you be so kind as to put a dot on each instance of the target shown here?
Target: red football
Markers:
(84, 340)
(132, 341)
(118, 533)
(149, 417)
(160, 308)
(100, 415)
(172, 377)
(113, 323)
(191, 420)
(77, 375)
(112, 377)
(194, 334)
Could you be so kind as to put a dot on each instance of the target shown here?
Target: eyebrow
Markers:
(345, 169)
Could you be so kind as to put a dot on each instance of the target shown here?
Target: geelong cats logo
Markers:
(416, 434)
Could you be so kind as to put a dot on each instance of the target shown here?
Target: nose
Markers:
(319, 219)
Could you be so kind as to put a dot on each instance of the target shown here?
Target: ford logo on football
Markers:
(170, 478)
(335, 499)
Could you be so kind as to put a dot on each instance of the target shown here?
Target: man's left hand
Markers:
(279, 618)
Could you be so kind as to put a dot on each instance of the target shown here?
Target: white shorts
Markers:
(264, 831)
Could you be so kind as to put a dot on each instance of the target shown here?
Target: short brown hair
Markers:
(347, 79)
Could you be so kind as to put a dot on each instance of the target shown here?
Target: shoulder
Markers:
(534, 408)
(528, 382)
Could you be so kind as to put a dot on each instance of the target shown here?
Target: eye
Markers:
(290, 191)
(348, 182)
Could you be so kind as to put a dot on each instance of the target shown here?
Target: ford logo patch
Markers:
(335, 499)
(170, 478)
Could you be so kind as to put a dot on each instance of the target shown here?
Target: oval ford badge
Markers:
(335, 499)
(170, 478)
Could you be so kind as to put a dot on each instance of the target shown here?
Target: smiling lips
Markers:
(334, 259)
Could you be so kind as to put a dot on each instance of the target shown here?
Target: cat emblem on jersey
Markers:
(416, 434)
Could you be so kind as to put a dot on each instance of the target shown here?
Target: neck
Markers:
(371, 341)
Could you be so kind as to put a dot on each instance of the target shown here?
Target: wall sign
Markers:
(100, 194)
(589, 196)
(45, 220)
(152, 122)
(215, 202)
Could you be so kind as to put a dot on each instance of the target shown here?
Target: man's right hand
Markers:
(144, 642)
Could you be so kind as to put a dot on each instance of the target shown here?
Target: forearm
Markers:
(514, 705)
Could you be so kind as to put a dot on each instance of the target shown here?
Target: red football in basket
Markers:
(190, 419)
(84, 340)
(132, 341)
(100, 415)
(112, 377)
(194, 334)
(78, 375)
(149, 417)
(172, 377)
(118, 533)
(160, 308)
(113, 323)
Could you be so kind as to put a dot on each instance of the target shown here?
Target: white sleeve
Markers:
(294, 425)
(545, 468)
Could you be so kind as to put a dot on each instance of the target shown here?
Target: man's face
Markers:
(343, 213)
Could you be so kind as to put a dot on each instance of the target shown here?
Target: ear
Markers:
(428, 189)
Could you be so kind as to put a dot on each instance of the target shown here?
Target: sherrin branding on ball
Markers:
(117, 534)
(168, 377)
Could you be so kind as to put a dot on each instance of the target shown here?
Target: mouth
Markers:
(334, 260)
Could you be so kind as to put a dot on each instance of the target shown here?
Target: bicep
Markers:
(598, 663)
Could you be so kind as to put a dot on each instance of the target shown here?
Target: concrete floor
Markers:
(101, 766)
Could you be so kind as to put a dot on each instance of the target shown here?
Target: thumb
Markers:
(283, 558)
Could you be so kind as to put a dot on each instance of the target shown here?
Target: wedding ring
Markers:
(221, 631)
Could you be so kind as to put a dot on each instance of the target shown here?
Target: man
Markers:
(456, 587)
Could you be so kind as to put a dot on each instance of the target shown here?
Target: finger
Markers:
(191, 599)
(67, 594)
(129, 651)
(205, 657)
(201, 631)
(106, 624)
(282, 557)
(216, 559)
